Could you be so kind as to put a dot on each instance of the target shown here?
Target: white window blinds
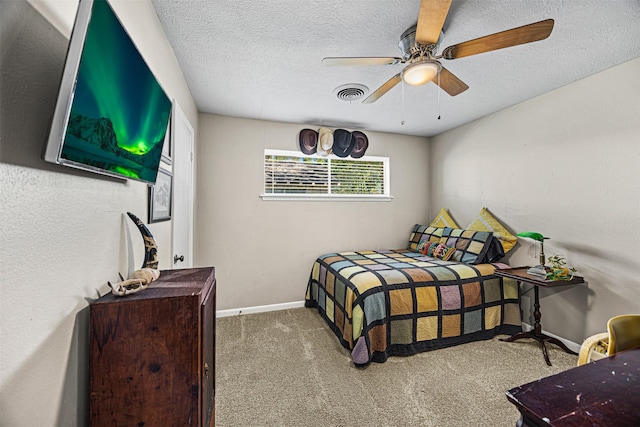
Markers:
(296, 175)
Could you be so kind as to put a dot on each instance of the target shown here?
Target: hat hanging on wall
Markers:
(343, 142)
(361, 145)
(325, 141)
(308, 141)
(340, 142)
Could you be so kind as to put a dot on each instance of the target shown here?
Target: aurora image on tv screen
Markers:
(119, 114)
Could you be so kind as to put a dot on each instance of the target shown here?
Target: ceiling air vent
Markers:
(351, 92)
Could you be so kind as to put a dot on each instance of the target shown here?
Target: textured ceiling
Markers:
(262, 59)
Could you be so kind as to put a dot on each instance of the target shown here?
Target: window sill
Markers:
(327, 198)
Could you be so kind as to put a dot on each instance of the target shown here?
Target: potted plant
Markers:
(559, 269)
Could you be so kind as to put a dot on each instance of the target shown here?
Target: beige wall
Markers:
(565, 164)
(263, 250)
(62, 232)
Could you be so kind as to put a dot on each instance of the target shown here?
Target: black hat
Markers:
(362, 143)
(308, 141)
(343, 142)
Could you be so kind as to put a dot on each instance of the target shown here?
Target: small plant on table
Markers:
(559, 269)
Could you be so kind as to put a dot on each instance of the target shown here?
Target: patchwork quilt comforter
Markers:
(400, 302)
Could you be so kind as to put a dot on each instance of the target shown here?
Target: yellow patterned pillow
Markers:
(487, 222)
(443, 219)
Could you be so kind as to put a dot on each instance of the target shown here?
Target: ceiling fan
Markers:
(419, 45)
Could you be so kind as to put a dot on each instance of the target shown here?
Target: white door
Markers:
(182, 190)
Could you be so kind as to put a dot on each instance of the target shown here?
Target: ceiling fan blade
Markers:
(389, 84)
(450, 83)
(513, 37)
(361, 61)
(431, 19)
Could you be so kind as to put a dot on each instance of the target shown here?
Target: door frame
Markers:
(178, 115)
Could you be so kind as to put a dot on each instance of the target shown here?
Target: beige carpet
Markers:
(286, 368)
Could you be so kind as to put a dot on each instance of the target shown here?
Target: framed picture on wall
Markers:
(160, 197)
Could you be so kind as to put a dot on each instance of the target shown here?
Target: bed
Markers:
(399, 302)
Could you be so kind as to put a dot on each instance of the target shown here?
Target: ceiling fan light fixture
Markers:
(421, 72)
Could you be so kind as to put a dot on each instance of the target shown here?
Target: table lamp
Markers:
(540, 269)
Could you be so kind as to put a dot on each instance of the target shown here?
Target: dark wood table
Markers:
(520, 274)
(601, 393)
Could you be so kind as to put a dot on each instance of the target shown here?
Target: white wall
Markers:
(62, 232)
(263, 250)
(565, 164)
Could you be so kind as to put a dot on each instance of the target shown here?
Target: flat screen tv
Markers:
(111, 116)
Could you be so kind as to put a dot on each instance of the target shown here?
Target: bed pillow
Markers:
(471, 246)
(423, 233)
(487, 222)
(440, 251)
(495, 252)
(443, 219)
(423, 246)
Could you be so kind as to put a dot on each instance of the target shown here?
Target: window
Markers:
(293, 175)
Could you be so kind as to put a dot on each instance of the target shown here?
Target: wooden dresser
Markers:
(152, 354)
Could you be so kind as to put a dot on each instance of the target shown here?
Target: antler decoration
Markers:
(149, 272)
(138, 281)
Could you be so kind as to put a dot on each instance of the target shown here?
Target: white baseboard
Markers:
(259, 309)
(572, 345)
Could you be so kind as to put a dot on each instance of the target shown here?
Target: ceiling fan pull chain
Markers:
(439, 90)
(402, 109)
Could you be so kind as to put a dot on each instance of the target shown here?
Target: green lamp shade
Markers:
(532, 235)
